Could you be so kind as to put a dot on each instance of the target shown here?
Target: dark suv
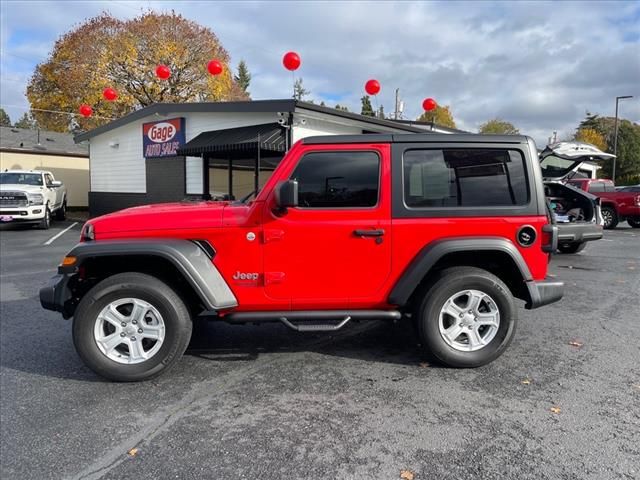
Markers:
(447, 230)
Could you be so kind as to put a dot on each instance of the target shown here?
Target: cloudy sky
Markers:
(538, 65)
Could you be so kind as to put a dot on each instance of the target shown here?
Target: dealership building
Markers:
(175, 151)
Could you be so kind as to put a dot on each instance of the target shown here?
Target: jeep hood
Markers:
(561, 159)
(161, 216)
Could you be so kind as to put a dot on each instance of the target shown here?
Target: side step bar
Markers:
(303, 316)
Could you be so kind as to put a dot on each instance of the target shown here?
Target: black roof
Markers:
(268, 137)
(416, 138)
(252, 106)
(43, 142)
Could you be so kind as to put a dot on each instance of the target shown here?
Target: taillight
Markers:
(638, 200)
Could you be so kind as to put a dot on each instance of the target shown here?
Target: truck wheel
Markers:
(45, 223)
(634, 222)
(131, 327)
(573, 247)
(61, 213)
(467, 318)
(610, 217)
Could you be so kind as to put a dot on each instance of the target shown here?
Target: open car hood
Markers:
(560, 159)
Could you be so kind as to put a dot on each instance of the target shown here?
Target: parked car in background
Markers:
(31, 196)
(617, 205)
(576, 212)
(629, 188)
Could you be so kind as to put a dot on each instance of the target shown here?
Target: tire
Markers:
(455, 283)
(610, 217)
(45, 223)
(573, 247)
(166, 315)
(61, 213)
(634, 222)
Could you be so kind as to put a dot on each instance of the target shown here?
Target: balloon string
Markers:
(293, 83)
(375, 97)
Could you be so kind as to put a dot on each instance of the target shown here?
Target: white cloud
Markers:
(539, 65)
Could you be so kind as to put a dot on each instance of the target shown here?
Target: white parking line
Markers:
(52, 239)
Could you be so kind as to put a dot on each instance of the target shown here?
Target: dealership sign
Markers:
(163, 138)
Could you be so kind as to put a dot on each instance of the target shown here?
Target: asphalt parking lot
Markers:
(262, 402)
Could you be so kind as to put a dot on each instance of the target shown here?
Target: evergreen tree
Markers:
(5, 121)
(243, 77)
(341, 108)
(27, 121)
(299, 92)
(367, 109)
(381, 112)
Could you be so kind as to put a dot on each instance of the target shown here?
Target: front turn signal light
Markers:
(69, 261)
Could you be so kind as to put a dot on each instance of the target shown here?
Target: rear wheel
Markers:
(61, 213)
(573, 247)
(131, 327)
(610, 217)
(467, 318)
(634, 222)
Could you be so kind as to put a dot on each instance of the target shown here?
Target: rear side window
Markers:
(338, 179)
(596, 187)
(464, 178)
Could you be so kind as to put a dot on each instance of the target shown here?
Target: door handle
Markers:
(369, 233)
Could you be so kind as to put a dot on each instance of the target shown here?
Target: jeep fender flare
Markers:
(424, 261)
(188, 257)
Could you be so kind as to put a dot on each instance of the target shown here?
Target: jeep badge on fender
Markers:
(357, 227)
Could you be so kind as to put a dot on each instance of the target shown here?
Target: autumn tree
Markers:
(441, 115)
(243, 77)
(123, 54)
(592, 136)
(367, 109)
(498, 126)
(5, 121)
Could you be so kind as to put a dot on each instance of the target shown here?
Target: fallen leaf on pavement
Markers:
(424, 365)
(407, 475)
(133, 452)
(526, 381)
(575, 343)
(555, 410)
(637, 385)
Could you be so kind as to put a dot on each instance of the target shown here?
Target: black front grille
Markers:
(13, 199)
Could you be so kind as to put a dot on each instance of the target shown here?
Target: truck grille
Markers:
(13, 199)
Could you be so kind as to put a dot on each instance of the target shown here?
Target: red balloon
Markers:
(215, 67)
(372, 87)
(85, 110)
(429, 104)
(163, 72)
(109, 94)
(291, 61)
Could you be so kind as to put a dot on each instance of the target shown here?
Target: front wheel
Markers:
(45, 223)
(131, 327)
(634, 222)
(573, 247)
(467, 318)
(61, 213)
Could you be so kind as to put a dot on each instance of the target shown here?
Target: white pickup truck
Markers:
(31, 196)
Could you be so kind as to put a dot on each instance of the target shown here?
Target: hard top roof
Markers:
(415, 138)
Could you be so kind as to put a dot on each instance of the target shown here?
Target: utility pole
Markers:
(615, 138)
(395, 112)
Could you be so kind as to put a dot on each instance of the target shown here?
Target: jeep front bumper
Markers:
(56, 295)
(544, 292)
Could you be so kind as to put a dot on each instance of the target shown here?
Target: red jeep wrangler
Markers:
(445, 229)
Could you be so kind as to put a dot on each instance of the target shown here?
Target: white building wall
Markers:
(313, 126)
(122, 169)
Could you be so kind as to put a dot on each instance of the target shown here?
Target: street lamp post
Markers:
(615, 138)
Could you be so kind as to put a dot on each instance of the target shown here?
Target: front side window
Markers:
(338, 179)
(460, 177)
(596, 187)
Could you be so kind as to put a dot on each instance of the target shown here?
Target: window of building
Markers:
(338, 179)
(464, 178)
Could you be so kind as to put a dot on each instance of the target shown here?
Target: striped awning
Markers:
(269, 137)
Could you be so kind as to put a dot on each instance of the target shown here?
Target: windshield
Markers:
(553, 166)
(21, 179)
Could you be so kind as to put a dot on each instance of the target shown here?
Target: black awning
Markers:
(268, 137)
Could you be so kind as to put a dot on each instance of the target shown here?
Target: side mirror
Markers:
(56, 183)
(287, 194)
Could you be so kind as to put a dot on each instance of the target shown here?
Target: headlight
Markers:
(87, 233)
(36, 199)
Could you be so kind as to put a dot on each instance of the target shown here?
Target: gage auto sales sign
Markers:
(163, 138)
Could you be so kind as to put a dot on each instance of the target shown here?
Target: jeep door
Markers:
(334, 249)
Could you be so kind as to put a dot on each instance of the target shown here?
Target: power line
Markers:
(54, 111)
